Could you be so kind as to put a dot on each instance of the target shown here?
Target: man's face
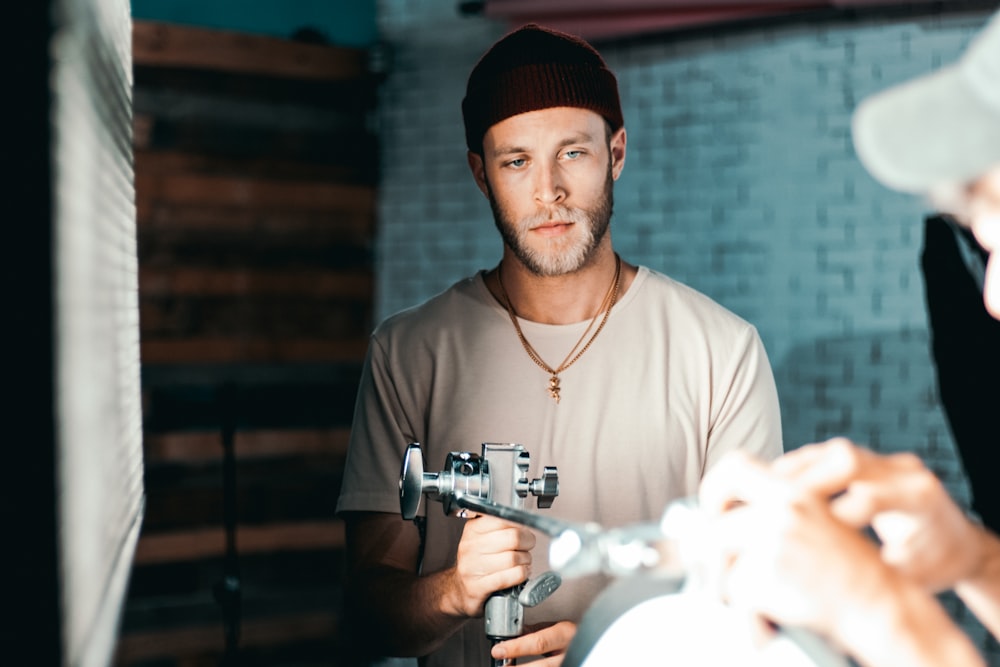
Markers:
(985, 221)
(549, 177)
(978, 207)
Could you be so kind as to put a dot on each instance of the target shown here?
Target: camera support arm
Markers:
(472, 482)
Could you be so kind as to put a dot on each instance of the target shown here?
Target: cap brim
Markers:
(928, 132)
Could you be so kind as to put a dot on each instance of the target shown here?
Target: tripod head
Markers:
(499, 476)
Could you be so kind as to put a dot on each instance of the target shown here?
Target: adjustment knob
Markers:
(546, 487)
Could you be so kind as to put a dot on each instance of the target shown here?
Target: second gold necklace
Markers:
(609, 300)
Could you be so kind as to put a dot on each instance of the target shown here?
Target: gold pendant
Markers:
(554, 387)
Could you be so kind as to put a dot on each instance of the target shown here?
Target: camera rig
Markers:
(496, 483)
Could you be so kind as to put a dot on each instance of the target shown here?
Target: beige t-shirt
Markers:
(673, 382)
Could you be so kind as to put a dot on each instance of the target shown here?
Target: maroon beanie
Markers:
(536, 68)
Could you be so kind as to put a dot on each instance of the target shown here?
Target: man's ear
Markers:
(478, 170)
(617, 144)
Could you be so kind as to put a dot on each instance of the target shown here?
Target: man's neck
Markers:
(574, 297)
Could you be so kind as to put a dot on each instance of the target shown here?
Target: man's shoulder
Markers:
(680, 298)
(454, 302)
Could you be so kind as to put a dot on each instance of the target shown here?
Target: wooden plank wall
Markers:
(255, 172)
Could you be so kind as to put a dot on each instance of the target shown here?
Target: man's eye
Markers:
(572, 155)
(518, 163)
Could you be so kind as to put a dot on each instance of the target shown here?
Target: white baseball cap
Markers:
(940, 129)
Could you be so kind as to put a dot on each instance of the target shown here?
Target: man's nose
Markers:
(548, 186)
(986, 227)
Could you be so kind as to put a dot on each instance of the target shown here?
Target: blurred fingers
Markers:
(895, 483)
(737, 478)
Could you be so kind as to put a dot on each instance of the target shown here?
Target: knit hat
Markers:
(940, 129)
(536, 68)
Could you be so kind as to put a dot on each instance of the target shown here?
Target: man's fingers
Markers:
(899, 482)
(736, 478)
(827, 468)
(480, 566)
(863, 501)
(799, 459)
(513, 576)
(492, 555)
(496, 536)
(861, 482)
(548, 640)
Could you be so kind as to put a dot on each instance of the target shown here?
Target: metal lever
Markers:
(539, 589)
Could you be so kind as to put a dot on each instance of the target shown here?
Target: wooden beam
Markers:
(252, 193)
(274, 317)
(157, 44)
(204, 446)
(208, 350)
(188, 545)
(355, 95)
(348, 146)
(140, 647)
(160, 217)
(303, 283)
(149, 161)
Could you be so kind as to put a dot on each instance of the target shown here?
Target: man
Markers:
(965, 342)
(629, 383)
(787, 539)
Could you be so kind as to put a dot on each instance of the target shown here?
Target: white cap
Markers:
(937, 130)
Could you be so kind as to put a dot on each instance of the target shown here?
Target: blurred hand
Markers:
(784, 542)
(924, 534)
(548, 640)
(493, 554)
(776, 550)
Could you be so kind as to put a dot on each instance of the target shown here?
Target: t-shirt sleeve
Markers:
(747, 415)
(379, 436)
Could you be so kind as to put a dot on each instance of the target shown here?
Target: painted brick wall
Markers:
(741, 180)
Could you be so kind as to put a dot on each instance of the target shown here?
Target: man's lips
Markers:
(552, 227)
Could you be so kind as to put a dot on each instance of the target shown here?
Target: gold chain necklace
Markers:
(609, 300)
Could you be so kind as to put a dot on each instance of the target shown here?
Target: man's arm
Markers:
(400, 612)
(898, 623)
(387, 603)
(980, 591)
(746, 415)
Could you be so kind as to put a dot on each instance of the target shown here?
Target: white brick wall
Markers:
(740, 180)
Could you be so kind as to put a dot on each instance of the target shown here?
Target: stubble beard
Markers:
(567, 253)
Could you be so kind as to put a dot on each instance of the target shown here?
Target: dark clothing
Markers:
(965, 341)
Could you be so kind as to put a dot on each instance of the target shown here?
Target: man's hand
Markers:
(492, 555)
(778, 551)
(924, 534)
(413, 614)
(548, 640)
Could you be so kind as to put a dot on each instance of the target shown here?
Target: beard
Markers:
(563, 255)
